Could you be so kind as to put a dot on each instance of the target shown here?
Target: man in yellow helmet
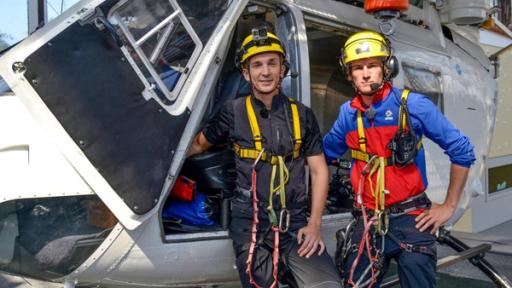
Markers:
(383, 127)
(273, 138)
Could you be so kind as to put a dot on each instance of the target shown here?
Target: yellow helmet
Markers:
(364, 44)
(260, 41)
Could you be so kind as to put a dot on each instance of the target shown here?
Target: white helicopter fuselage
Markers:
(136, 250)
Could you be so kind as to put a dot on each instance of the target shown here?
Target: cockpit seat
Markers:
(213, 171)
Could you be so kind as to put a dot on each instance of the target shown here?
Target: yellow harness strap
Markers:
(296, 129)
(365, 157)
(253, 153)
(360, 132)
(255, 128)
(401, 114)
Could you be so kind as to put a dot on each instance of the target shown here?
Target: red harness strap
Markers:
(254, 231)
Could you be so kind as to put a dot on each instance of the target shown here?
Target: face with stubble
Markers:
(365, 72)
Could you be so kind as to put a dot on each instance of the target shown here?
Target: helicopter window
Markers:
(329, 86)
(47, 238)
(424, 80)
(165, 39)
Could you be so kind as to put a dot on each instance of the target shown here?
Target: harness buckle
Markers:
(258, 158)
(284, 214)
(406, 247)
(368, 167)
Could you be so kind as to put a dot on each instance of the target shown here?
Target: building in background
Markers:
(504, 11)
(493, 207)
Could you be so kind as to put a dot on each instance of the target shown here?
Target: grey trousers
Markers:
(318, 271)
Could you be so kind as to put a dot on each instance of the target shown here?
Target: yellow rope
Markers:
(280, 188)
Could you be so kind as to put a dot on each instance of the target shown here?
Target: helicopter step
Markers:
(475, 255)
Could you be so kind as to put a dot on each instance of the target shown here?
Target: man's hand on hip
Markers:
(434, 217)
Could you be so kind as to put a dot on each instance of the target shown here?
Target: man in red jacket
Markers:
(383, 127)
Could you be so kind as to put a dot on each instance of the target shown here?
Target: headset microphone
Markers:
(375, 87)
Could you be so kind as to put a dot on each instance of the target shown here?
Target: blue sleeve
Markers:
(334, 140)
(439, 129)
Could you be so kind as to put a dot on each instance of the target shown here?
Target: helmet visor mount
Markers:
(259, 35)
(259, 41)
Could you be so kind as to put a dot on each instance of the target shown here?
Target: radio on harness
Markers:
(404, 146)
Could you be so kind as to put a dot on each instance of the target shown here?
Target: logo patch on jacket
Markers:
(389, 115)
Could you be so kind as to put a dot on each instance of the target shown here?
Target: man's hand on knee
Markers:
(310, 241)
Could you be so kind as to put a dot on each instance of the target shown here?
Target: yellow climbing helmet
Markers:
(364, 44)
(259, 41)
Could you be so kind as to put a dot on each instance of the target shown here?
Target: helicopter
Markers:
(103, 103)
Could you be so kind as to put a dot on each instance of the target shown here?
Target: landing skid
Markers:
(475, 255)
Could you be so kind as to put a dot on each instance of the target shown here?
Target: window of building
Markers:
(499, 175)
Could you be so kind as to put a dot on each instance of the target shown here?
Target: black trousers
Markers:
(318, 271)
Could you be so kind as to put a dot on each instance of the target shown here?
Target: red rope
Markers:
(365, 241)
(254, 231)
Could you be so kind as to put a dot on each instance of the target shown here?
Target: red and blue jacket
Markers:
(427, 120)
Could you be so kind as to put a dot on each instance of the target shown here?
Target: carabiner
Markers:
(382, 223)
(285, 213)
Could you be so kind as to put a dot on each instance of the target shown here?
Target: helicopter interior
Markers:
(212, 173)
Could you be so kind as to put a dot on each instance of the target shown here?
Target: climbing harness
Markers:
(253, 153)
(404, 147)
(279, 170)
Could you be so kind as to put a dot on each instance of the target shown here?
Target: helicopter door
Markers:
(107, 84)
